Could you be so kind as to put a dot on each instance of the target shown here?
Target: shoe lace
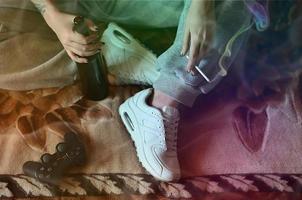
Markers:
(130, 76)
(171, 128)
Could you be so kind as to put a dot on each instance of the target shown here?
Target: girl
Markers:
(209, 35)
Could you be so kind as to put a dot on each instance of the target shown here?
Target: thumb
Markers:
(91, 25)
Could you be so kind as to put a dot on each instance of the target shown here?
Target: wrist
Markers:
(203, 8)
(205, 5)
(51, 15)
(50, 8)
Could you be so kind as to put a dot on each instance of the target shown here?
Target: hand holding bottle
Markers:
(77, 46)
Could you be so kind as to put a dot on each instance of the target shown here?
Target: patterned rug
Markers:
(262, 161)
(81, 185)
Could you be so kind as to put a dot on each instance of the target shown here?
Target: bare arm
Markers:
(41, 5)
(48, 10)
(76, 45)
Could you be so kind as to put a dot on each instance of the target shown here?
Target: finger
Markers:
(76, 58)
(81, 39)
(94, 37)
(91, 25)
(194, 71)
(203, 47)
(82, 53)
(210, 31)
(185, 44)
(194, 52)
(88, 47)
(208, 40)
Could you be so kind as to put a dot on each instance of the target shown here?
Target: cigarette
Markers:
(199, 70)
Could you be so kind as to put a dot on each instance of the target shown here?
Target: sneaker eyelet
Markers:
(121, 37)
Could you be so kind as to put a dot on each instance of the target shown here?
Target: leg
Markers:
(233, 23)
(160, 99)
(154, 129)
(128, 12)
(156, 125)
(128, 62)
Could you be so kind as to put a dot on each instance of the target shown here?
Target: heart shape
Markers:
(250, 127)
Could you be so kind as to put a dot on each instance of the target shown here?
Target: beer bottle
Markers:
(93, 75)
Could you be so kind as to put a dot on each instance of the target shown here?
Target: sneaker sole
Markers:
(137, 137)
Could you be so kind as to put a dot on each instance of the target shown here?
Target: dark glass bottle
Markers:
(93, 75)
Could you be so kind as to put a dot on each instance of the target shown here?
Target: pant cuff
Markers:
(176, 89)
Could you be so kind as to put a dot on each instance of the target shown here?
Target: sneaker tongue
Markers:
(170, 112)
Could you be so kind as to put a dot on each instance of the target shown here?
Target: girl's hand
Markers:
(76, 45)
(199, 31)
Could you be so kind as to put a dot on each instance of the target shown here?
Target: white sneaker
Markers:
(127, 59)
(154, 133)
